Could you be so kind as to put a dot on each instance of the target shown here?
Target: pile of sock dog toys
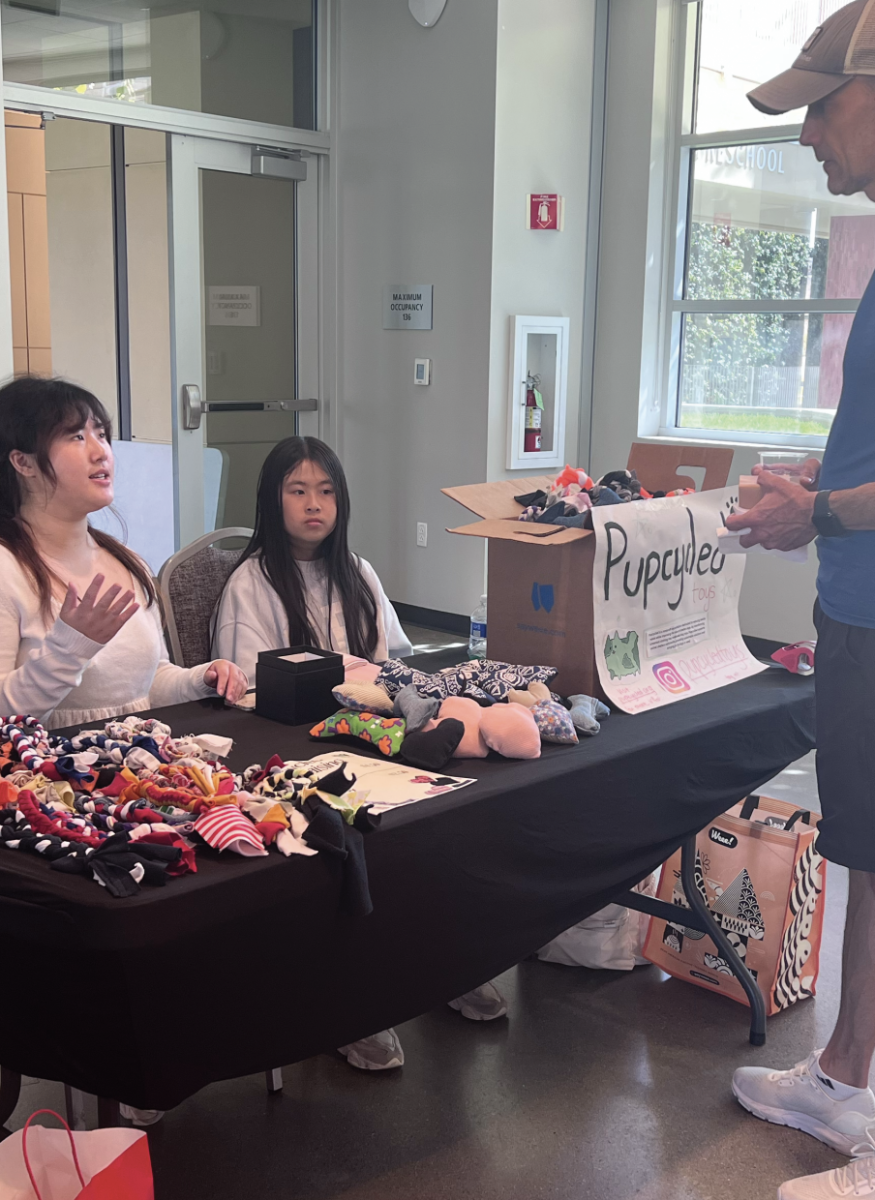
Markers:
(460, 712)
(573, 494)
(131, 804)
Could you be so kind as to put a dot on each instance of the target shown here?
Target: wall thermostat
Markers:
(422, 372)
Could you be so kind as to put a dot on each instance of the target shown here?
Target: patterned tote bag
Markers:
(762, 878)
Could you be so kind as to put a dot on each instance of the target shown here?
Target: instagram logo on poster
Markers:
(668, 676)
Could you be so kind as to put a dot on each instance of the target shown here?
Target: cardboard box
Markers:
(540, 576)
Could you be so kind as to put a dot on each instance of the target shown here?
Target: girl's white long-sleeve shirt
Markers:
(52, 672)
(251, 616)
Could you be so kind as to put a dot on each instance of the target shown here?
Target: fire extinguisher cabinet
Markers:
(538, 392)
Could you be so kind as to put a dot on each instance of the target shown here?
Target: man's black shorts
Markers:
(845, 687)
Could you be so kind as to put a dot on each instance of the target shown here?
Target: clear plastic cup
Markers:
(784, 462)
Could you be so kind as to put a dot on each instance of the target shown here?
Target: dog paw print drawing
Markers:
(621, 654)
(730, 507)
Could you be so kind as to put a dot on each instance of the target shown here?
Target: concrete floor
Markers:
(426, 640)
(599, 1086)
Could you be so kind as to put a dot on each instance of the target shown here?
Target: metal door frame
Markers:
(187, 156)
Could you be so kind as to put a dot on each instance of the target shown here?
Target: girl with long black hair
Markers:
(298, 582)
(80, 628)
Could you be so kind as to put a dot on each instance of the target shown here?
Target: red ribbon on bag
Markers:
(127, 1175)
(51, 1112)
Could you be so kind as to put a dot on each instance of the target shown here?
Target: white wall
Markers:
(778, 597)
(415, 135)
(441, 133)
(542, 144)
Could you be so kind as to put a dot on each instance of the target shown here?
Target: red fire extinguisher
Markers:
(534, 412)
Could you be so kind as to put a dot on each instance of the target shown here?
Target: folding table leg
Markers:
(10, 1090)
(274, 1080)
(696, 901)
(75, 1101)
(108, 1116)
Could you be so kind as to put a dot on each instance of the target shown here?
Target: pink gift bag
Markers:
(56, 1164)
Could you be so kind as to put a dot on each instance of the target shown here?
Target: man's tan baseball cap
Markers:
(843, 46)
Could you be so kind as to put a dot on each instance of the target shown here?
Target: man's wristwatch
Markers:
(824, 519)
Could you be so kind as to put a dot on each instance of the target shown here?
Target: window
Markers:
(769, 266)
(89, 263)
(233, 58)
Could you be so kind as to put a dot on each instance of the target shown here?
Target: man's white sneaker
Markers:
(801, 1099)
(856, 1179)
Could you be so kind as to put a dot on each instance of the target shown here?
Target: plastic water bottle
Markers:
(477, 640)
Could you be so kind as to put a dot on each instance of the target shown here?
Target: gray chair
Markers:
(190, 584)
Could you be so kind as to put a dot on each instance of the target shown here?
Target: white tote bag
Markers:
(610, 940)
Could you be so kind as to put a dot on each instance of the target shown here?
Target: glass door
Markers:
(194, 321)
(87, 204)
(234, 282)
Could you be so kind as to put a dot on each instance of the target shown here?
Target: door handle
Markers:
(217, 406)
(192, 406)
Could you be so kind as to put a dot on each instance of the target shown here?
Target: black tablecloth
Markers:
(250, 964)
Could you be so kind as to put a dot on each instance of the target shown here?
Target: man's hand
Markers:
(806, 473)
(782, 519)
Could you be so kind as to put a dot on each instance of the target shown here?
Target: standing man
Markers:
(828, 1094)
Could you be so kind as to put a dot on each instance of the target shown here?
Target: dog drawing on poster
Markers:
(622, 656)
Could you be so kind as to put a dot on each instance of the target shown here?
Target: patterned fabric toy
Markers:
(481, 679)
(554, 723)
(363, 697)
(385, 734)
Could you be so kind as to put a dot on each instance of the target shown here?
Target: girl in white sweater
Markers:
(80, 628)
(297, 583)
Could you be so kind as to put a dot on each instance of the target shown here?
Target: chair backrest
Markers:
(658, 466)
(190, 584)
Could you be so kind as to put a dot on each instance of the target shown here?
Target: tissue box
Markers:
(293, 685)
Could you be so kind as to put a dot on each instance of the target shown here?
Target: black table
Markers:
(250, 964)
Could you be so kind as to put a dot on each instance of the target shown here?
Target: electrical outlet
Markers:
(421, 533)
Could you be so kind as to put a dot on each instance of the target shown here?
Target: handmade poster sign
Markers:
(665, 601)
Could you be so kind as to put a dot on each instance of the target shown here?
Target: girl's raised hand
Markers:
(97, 616)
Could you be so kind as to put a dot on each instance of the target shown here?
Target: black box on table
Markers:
(293, 685)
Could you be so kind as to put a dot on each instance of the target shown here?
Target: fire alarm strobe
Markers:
(545, 210)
